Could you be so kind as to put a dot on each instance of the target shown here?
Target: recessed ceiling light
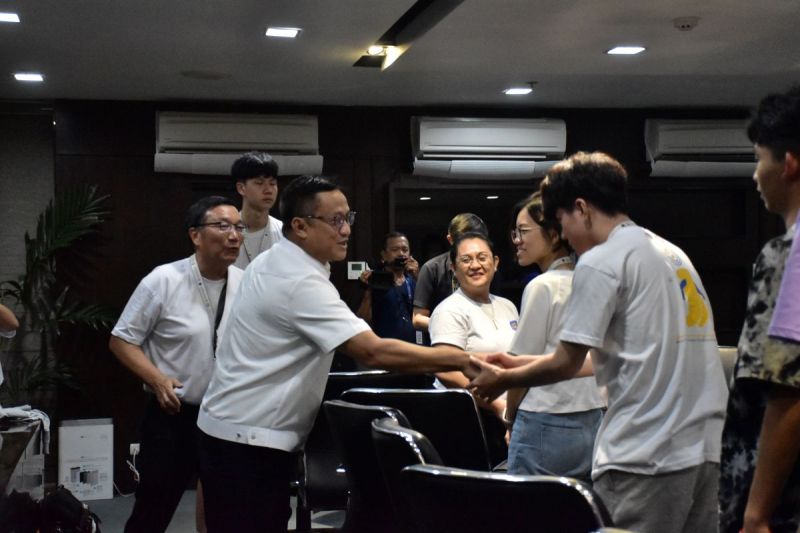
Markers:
(290, 33)
(492, 197)
(28, 76)
(626, 50)
(423, 198)
(9, 17)
(376, 50)
(515, 91)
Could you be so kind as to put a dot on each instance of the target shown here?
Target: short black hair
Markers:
(253, 165)
(466, 222)
(596, 177)
(196, 214)
(392, 235)
(775, 124)
(299, 198)
(466, 236)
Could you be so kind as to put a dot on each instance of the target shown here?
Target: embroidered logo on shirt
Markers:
(513, 324)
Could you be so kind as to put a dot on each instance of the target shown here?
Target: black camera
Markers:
(381, 280)
(399, 261)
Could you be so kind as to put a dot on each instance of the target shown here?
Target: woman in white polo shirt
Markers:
(471, 318)
(554, 426)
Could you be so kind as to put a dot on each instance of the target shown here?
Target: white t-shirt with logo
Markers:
(473, 326)
(639, 303)
(543, 303)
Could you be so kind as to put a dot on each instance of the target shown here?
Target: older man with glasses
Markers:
(274, 359)
(166, 336)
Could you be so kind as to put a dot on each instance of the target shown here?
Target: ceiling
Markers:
(138, 50)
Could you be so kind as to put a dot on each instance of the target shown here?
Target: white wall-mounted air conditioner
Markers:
(698, 148)
(486, 148)
(208, 143)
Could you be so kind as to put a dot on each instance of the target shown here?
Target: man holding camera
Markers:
(388, 300)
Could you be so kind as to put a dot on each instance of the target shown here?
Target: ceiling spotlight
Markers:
(9, 17)
(525, 88)
(28, 76)
(289, 33)
(626, 50)
(376, 50)
(492, 197)
(423, 198)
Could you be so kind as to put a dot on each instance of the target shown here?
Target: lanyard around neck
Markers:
(213, 318)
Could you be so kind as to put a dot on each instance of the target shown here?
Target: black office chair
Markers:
(322, 484)
(448, 417)
(452, 499)
(369, 506)
(397, 447)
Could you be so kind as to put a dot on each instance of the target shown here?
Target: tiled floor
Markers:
(115, 512)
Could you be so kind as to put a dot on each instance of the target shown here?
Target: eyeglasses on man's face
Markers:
(518, 233)
(337, 221)
(225, 227)
(483, 259)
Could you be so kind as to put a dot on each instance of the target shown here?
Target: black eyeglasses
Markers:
(337, 221)
(225, 227)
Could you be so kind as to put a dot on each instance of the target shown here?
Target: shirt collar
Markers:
(301, 255)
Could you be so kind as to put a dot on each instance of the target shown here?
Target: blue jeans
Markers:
(554, 444)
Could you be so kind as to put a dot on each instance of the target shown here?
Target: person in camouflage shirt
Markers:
(759, 473)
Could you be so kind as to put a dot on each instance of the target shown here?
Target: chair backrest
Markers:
(397, 447)
(450, 499)
(449, 418)
(369, 505)
(323, 484)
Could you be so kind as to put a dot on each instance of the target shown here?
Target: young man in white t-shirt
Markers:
(256, 177)
(638, 304)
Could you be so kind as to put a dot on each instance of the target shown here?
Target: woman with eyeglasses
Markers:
(554, 426)
(472, 318)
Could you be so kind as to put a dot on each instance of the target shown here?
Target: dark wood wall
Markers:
(719, 222)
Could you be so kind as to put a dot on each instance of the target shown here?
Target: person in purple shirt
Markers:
(786, 318)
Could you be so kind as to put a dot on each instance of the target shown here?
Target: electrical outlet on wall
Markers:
(134, 448)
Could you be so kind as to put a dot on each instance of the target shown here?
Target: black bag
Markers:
(18, 513)
(62, 512)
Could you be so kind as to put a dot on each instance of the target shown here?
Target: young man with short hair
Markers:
(760, 474)
(274, 359)
(255, 175)
(639, 307)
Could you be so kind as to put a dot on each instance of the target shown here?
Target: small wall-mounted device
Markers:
(355, 268)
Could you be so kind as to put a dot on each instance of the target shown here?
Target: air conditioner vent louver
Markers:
(481, 148)
(208, 143)
(699, 148)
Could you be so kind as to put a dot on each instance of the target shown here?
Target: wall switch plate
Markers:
(355, 268)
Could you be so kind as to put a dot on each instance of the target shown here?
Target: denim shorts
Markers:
(554, 444)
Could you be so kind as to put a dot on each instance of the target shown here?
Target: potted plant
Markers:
(43, 304)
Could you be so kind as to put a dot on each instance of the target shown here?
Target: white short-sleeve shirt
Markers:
(274, 358)
(542, 314)
(639, 303)
(168, 318)
(474, 326)
(259, 241)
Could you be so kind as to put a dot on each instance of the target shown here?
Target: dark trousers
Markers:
(167, 462)
(245, 488)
